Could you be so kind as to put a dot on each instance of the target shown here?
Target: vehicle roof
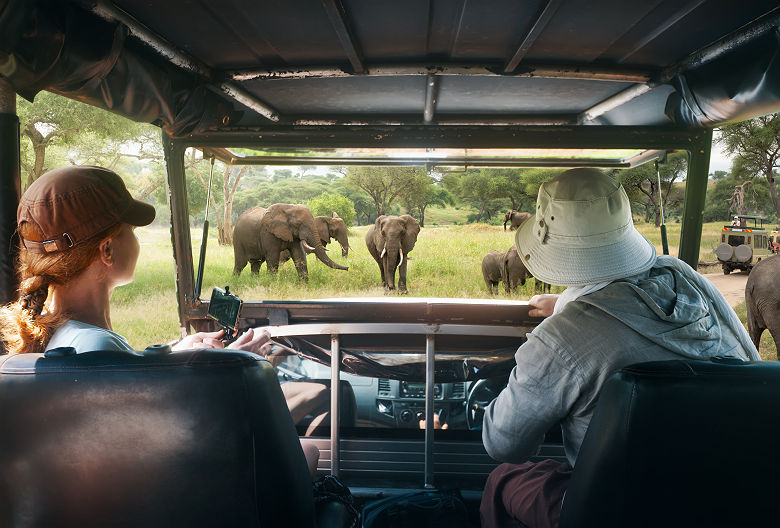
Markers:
(211, 68)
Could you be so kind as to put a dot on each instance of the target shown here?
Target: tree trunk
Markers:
(773, 190)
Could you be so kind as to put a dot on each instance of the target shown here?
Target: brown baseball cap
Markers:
(73, 204)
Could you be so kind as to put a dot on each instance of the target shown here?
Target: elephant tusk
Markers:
(307, 246)
(400, 252)
(384, 250)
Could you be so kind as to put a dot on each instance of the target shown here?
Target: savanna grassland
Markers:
(446, 262)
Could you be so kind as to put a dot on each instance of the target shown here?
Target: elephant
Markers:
(506, 267)
(389, 241)
(762, 299)
(516, 218)
(492, 269)
(329, 227)
(333, 227)
(262, 234)
(513, 270)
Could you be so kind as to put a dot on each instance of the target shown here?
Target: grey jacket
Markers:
(667, 312)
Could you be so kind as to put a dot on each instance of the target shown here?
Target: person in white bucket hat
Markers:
(622, 305)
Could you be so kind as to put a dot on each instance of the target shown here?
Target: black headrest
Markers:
(681, 443)
(199, 438)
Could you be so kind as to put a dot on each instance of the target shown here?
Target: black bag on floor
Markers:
(423, 509)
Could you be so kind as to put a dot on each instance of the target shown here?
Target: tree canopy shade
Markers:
(55, 121)
(641, 184)
(385, 184)
(328, 203)
(755, 145)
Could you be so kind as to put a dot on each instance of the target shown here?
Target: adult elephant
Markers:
(389, 241)
(492, 272)
(513, 271)
(262, 234)
(333, 228)
(762, 298)
(515, 218)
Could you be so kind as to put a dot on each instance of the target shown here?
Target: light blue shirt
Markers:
(86, 338)
(667, 312)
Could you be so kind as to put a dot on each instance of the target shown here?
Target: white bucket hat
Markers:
(582, 232)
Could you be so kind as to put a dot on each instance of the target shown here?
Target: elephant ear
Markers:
(411, 232)
(379, 220)
(335, 215)
(278, 226)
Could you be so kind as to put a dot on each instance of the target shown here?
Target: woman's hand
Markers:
(254, 340)
(543, 305)
(201, 340)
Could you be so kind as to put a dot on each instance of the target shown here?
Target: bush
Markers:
(326, 203)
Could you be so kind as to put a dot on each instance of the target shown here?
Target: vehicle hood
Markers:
(678, 309)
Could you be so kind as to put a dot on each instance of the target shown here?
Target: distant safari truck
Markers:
(743, 243)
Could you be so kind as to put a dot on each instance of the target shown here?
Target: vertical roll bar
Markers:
(10, 190)
(335, 391)
(429, 395)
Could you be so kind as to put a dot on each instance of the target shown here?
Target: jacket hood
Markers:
(678, 309)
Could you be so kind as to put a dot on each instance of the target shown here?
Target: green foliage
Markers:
(641, 185)
(385, 185)
(327, 203)
(757, 199)
(755, 145)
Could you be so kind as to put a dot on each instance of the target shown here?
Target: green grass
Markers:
(446, 262)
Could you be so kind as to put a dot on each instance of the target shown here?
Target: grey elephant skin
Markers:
(389, 241)
(515, 218)
(491, 269)
(506, 267)
(762, 298)
(333, 228)
(329, 228)
(513, 270)
(261, 235)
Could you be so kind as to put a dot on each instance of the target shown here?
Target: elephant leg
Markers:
(240, 264)
(299, 259)
(382, 272)
(272, 262)
(255, 265)
(489, 284)
(402, 276)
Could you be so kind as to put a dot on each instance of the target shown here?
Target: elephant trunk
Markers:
(392, 258)
(311, 238)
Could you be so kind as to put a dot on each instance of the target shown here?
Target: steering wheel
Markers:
(482, 392)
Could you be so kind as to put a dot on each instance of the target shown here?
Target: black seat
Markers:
(681, 443)
(114, 439)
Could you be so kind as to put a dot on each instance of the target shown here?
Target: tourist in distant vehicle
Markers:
(623, 305)
(76, 227)
(735, 221)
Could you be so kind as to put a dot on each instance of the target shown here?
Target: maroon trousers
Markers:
(528, 494)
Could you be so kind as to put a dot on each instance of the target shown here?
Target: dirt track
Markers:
(731, 286)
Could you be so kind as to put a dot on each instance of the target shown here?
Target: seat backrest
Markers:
(200, 438)
(681, 443)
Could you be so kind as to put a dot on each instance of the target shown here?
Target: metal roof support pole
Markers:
(335, 392)
(695, 196)
(180, 231)
(10, 189)
(429, 394)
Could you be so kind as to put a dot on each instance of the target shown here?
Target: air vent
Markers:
(384, 387)
(459, 390)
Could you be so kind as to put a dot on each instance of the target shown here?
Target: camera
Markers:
(224, 308)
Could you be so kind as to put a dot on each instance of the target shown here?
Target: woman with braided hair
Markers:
(75, 226)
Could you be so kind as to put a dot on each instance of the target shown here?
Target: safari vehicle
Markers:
(743, 243)
(504, 84)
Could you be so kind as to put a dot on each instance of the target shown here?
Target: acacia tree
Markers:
(93, 134)
(383, 184)
(641, 184)
(480, 189)
(755, 145)
(229, 185)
